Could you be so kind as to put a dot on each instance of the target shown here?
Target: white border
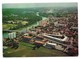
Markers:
(36, 1)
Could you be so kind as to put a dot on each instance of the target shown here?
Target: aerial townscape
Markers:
(40, 29)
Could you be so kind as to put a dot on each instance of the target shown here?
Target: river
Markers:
(5, 34)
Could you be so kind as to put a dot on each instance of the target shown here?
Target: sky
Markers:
(30, 5)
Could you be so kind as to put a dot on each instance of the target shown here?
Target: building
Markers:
(44, 22)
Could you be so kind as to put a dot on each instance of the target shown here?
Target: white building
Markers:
(12, 35)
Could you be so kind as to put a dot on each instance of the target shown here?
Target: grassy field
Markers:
(25, 50)
(8, 26)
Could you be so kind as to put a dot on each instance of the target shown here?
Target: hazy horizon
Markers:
(31, 5)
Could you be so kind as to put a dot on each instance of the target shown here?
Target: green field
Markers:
(8, 26)
(25, 50)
